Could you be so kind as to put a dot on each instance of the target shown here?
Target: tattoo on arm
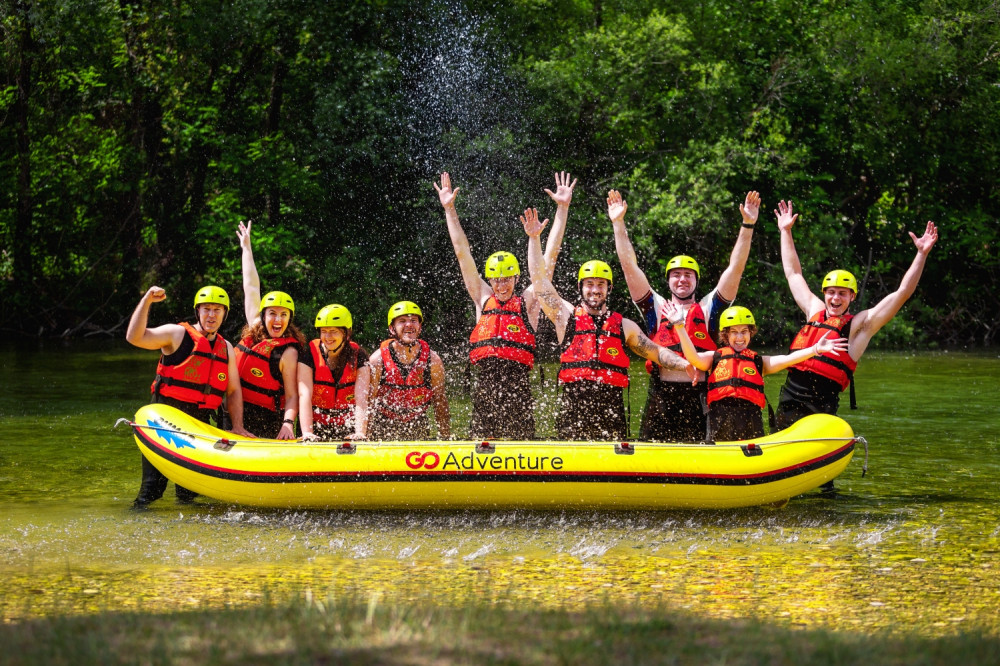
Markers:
(673, 361)
(551, 299)
(643, 346)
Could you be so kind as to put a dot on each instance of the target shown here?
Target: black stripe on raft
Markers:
(519, 477)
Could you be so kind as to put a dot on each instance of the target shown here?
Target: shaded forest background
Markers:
(134, 135)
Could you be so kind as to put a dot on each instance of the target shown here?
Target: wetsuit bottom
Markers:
(262, 422)
(590, 411)
(734, 419)
(502, 404)
(153, 483)
(384, 429)
(333, 433)
(674, 412)
(805, 393)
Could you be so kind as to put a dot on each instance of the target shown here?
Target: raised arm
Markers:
(441, 413)
(563, 196)
(165, 338)
(646, 348)
(868, 322)
(555, 308)
(825, 345)
(638, 285)
(251, 282)
(700, 360)
(808, 302)
(729, 281)
(478, 288)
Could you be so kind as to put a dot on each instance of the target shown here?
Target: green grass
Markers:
(314, 631)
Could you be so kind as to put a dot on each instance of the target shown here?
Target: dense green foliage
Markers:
(136, 134)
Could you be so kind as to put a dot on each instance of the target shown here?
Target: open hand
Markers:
(674, 313)
(617, 206)
(564, 189)
(925, 242)
(243, 432)
(750, 208)
(445, 193)
(532, 226)
(785, 217)
(827, 344)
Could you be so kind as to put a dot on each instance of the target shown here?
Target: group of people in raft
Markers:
(705, 381)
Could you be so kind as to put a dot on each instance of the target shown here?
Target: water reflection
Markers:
(911, 546)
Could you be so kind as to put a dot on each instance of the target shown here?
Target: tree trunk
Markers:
(23, 268)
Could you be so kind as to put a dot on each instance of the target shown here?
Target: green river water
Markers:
(914, 546)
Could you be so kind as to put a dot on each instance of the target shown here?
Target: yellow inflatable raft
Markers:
(500, 474)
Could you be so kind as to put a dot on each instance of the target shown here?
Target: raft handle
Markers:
(751, 449)
(347, 447)
(624, 449)
(224, 444)
(486, 447)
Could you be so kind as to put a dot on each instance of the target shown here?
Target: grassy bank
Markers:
(314, 631)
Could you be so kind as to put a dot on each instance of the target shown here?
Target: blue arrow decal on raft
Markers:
(171, 436)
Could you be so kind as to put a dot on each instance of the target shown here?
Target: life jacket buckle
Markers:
(347, 448)
(624, 449)
(751, 449)
(486, 447)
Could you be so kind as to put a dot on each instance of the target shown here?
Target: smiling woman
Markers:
(268, 353)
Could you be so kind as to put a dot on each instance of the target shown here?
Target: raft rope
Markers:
(654, 445)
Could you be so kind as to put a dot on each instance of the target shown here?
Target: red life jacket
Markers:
(836, 366)
(404, 393)
(737, 375)
(589, 356)
(697, 329)
(333, 399)
(503, 332)
(260, 371)
(196, 380)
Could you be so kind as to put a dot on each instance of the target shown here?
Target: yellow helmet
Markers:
(403, 308)
(840, 278)
(277, 299)
(595, 269)
(211, 294)
(683, 261)
(736, 316)
(334, 315)
(501, 265)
